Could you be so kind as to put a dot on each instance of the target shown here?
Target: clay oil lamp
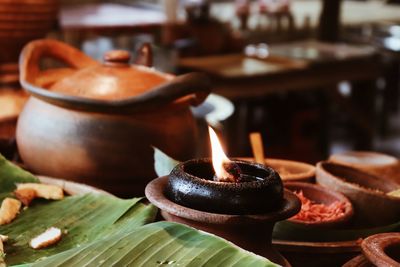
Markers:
(234, 199)
(289, 170)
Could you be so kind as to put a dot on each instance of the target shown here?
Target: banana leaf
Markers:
(83, 218)
(157, 244)
(10, 174)
(107, 231)
(163, 164)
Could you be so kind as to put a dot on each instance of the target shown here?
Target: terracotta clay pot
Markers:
(96, 123)
(368, 193)
(251, 232)
(374, 163)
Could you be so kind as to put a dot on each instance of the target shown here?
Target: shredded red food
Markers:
(314, 212)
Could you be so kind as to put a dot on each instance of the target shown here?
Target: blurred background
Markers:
(315, 77)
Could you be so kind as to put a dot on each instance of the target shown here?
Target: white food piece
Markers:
(47, 238)
(4, 238)
(9, 210)
(44, 190)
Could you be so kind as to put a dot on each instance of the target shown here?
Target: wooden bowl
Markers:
(382, 249)
(289, 170)
(319, 194)
(374, 163)
(368, 193)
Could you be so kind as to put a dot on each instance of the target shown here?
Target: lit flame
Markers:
(218, 158)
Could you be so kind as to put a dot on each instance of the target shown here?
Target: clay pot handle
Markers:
(35, 51)
(197, 86)
(145, 55)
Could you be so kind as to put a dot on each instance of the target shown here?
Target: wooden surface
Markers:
(314, 65)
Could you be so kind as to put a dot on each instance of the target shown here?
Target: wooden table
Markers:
(299, 66)
(293, 66)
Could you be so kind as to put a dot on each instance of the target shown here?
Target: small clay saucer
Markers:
(382, 249)
(289, 170)
(358, 261)
(322, 195)
(374, 163)
(368, 193)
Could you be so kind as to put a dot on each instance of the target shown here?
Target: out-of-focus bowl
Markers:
(368, 193)
(374, 163)
(289, 170)
(321, 195)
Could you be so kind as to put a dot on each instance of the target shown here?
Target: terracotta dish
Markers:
(321, 195)
(368, 193)
(382, 249)
(378, 164)
(289, 170)
(358, 261)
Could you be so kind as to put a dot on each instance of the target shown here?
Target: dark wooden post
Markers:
(329, 21)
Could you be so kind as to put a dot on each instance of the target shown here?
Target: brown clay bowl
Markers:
(382, 249)
(374, 163)
(319, 194)
(358, 261)
(289, 170)
(368, 193)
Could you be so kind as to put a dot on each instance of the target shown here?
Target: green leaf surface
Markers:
(10, 174)
(84, 218)
(157, 244)
(102, 230)
(163, 164)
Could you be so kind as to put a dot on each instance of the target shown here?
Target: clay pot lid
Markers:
(114, 79)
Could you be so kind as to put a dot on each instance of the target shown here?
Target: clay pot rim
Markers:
(155, 194)
(391, 160)
(242, 185)
(373, 248)
(308, 173)
(353, 186)
(347, 215)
